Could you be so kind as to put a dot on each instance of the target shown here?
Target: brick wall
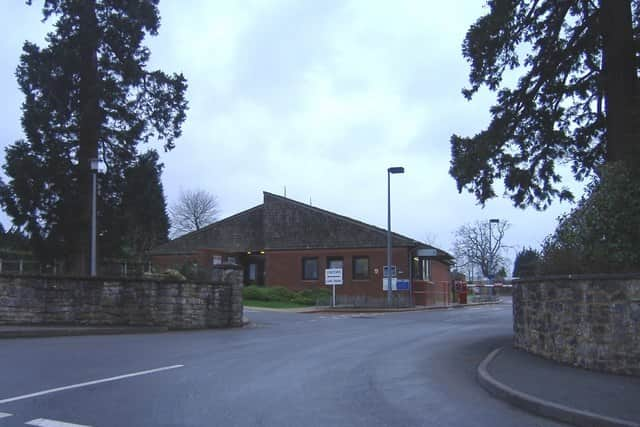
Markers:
(587, 321)
(136, 302)
(284, 268)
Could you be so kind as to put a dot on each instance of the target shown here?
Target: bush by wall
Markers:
(602, 234)
(281, 294)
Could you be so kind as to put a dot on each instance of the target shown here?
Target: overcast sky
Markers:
(317, 96)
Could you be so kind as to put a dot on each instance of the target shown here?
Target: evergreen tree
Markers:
(576, 101)
(88, 94)
(602, 233)
(526, 263)
(146, 222)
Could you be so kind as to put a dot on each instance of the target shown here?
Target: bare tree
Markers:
(193, 210)
(479, 245)
(431, 238)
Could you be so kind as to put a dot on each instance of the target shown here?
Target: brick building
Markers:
(283, 242)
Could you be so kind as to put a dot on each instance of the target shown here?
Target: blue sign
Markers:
(402, 284)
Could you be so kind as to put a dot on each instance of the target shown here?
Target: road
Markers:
(286, 369)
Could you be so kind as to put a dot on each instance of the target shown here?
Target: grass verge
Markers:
(271, 304)
(280, 297)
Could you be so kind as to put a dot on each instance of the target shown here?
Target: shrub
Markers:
(526, 263)
(171, 274)
(255, 293)
(602, 234)
(192, 271)
(282, 294)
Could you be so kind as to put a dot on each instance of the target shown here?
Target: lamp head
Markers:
(397, 169)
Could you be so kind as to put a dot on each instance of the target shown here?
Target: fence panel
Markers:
(108, 268)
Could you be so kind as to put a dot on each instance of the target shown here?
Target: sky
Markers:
(320, 98)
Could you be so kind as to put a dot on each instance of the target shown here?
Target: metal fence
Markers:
(110, 268)
(431, 294)
(487, 293)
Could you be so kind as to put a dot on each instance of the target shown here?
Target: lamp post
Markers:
(397, 169)
(93, 164)
(491, 222)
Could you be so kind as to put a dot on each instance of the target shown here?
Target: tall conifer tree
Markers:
(88, 94)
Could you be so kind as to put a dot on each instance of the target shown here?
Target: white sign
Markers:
(385, 271)
(394, 284)
(333, 276)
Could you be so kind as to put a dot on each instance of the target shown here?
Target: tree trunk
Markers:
(619, 75)
(88, 130)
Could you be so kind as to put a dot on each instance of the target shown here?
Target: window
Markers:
(360, 267)
(422, 269)
(231, 260)
(217, 259)
(310, 268)
(335, 262)
(253, 272)
(426, 269)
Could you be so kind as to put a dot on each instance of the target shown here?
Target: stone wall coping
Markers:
(159, 280)
(576, 277)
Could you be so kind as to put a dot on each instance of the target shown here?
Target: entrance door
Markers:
(254, 271)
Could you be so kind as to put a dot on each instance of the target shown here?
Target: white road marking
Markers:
(4, 415)
(43, 422)
(88, 383)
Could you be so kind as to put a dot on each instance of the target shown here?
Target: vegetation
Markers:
(479, 245)
(274, 296)
(13, 242)
(193, 210)
(602, 234)
(576, 101)
(527, 263)
(88, 95)
(144, 208)
(272, 304)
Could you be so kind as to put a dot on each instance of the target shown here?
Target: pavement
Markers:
(41, 331)
(572, 395)
(351, 309)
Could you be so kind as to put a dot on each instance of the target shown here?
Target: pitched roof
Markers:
(237, 233)
(285, 224)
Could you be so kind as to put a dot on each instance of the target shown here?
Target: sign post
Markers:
(333, 278)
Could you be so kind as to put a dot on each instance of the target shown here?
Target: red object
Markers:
(462, 297)
(461, 289)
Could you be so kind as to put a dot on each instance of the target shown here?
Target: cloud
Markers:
(320, 97)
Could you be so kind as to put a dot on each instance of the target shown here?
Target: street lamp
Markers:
(491, 221)
(397, 169)
(93, 164)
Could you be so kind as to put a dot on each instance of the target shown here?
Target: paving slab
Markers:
(574, 395)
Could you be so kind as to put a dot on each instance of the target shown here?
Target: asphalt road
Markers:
(287, 369)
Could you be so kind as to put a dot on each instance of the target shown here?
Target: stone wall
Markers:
(97, 301)
(587, 321)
